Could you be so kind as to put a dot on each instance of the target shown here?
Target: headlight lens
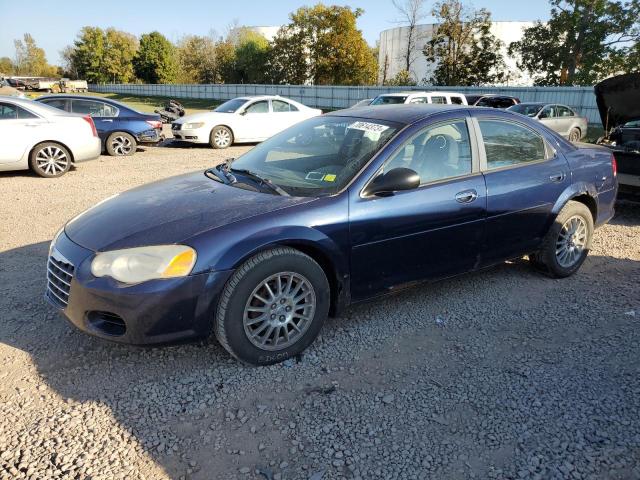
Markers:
(192, 126)
(135, 265)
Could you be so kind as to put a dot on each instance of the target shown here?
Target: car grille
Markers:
(59, 275)
(176, 126)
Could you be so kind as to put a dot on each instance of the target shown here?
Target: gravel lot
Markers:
(499, 374)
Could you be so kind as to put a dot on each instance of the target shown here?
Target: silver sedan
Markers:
(559, 118)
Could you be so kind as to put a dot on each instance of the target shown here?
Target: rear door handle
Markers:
(106, 120)
(467, 196)
(557, 177)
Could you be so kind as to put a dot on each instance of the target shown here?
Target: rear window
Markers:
(13, 112)
(438, 100)
(389, 100)
(93, 108)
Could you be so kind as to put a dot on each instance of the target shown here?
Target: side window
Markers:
(438, 152)
(258, 107)
(455, 100)
(548, 112)
(280, 106)
(564, 111)
(8, 112)
(93, 108)
(439, 100)
(56, 103)
(23, 114)
(504, 102)
(509, 144)
(419, 100)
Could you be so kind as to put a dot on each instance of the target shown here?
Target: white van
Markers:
(444, 98)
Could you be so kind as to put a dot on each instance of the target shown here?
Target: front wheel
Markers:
(273, 307)
(221, 137)
(121, 144)
(567, 244)
(574, 135)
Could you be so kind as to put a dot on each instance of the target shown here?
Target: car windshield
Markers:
(231, 106)
(316, 157)
(388, 100)
(528, 109)
(632, 124)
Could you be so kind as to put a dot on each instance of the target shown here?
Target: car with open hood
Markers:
(335, 210)
(618, 100)
(241, 120)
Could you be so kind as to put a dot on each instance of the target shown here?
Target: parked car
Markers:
(260, 249)
(492, 100)
(43, 139)
(559, 118)
(120, 127)
(420, 97)
(242, 120)
(618, 100)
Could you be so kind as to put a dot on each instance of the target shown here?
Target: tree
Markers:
(583, 42)
(155, 61)
(463, 48)
(30, 59)
(197, 60)
(120, 50)
(322, 45)
(401, 79)
(251, 57)
(411, 14)
(6, 66)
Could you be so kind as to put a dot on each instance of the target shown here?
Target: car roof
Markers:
(406, 113)
(39, 108)
(90, 97)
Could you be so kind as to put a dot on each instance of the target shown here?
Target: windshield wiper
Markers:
(260, 180)
(221, 173)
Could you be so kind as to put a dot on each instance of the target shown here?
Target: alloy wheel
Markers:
(571, 241)
(52, 160)
(279, 311)
(221, 138)
(121, 145)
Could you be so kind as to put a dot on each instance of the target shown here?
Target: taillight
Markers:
(614, 165)
(155, 124)
(89, 120)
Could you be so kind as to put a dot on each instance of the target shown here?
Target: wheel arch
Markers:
(225, 125)
(580, 192)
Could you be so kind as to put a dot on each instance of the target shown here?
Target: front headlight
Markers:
(192, 126)
(135, 265)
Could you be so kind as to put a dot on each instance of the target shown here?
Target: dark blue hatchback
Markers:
(120, 128)
(335, 210)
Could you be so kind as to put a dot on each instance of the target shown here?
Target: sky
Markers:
(55, 25)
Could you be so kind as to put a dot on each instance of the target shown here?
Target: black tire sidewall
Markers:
(213, 132)
(239, 344)
(34, 153)
(549, 250)
(110, 150)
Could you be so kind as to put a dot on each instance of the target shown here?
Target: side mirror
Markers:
(393, 181)
(243, 113)
(542, 115)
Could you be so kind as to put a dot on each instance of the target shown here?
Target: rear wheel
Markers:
(221, 137)
(121, 144)
(273, 307)
(567, 243)
(574, 135)
(50, 159)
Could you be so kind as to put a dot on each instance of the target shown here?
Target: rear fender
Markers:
(573, 191)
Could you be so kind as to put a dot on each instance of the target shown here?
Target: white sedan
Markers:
(242, 120)
(44, 139)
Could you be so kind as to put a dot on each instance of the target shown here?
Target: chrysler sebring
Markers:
(334, 210)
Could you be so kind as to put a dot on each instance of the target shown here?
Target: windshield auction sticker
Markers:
(371, 130)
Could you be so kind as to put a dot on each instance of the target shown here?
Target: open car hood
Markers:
(618, 100)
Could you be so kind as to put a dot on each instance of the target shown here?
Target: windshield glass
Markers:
(388, 100)
(528, 109)
(632, 124)
(231, 106)
(318, 156)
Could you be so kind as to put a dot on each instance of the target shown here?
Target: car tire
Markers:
(221, 137)
(574, 135)
(252, 319)
(121, 144)
(567, 243)
(50, 160)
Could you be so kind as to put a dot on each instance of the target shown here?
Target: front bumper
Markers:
(194, 136)
(153, 312)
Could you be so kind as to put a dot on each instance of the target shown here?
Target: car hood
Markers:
(169, 211)
(203, 117)
(618, 100)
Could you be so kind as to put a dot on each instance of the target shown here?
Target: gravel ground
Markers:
(498, 374)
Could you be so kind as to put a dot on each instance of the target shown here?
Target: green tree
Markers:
(323, 45)
(463, 48)
(6, 66)
(583, 42)
(120, 50)
(251, 57)
(197, 60)
(30, 59)
(155, 61)
(401, 79)
(225, 68)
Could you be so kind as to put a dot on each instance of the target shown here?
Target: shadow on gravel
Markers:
(202, 415)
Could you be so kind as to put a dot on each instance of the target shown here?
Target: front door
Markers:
(254, 122)
(430, 232)
(524, 177)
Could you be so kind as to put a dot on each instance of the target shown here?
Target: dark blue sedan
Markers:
(335, 210)
(120, 127)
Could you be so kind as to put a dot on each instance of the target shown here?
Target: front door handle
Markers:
(106, 120)
(557, 177)
(467, 196)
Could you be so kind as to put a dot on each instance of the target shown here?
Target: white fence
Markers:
(580, 98)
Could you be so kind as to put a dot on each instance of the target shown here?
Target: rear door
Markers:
(566, 119)
(104, 115)
(525, 177)
(283, 114)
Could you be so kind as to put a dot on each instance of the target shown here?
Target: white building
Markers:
(393, 47)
